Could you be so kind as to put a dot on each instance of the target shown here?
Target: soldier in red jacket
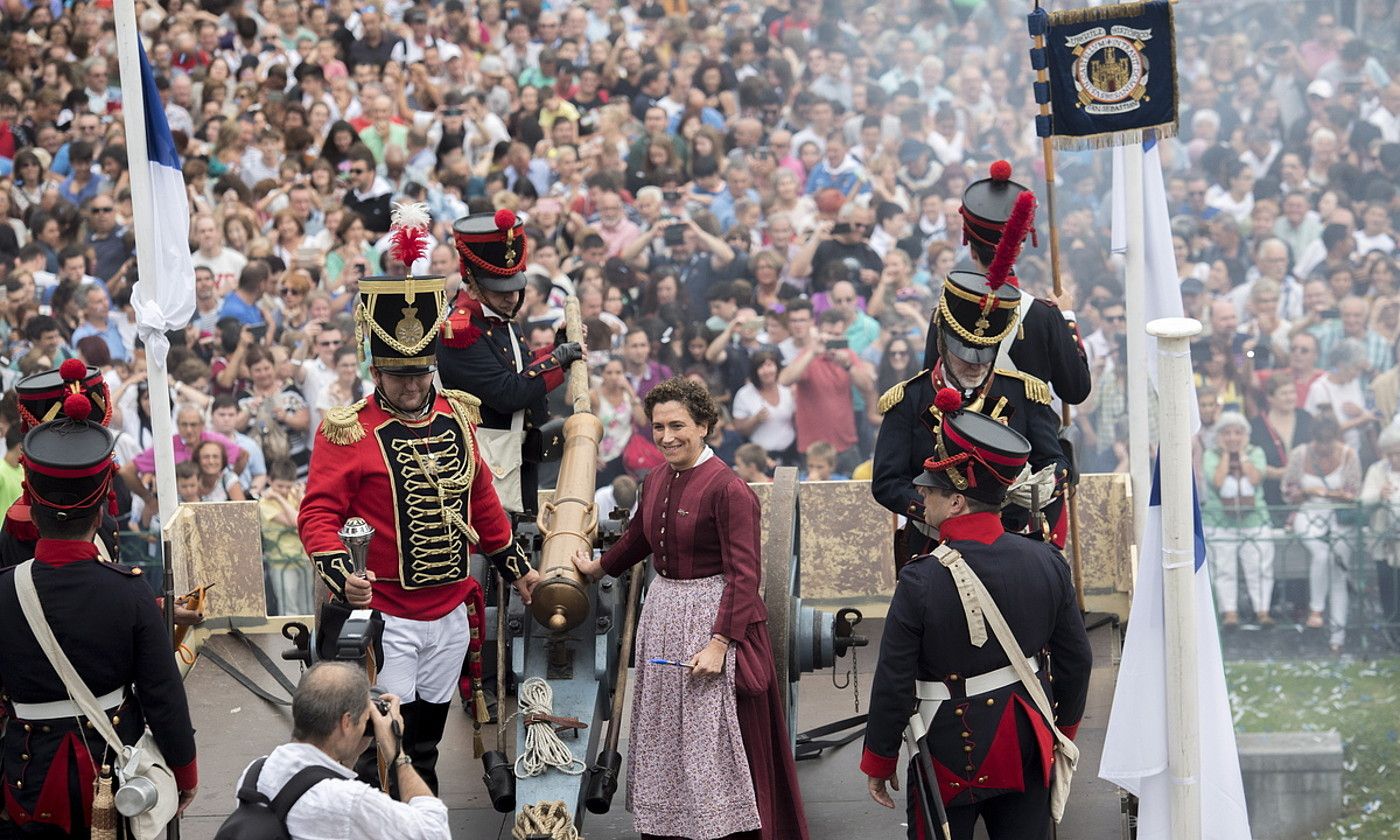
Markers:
(405, 459)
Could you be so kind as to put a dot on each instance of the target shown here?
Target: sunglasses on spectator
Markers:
(1115, 318)
(102, 209)
(332, 343)
(290, 292)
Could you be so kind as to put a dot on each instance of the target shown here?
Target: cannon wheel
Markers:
(782, 583)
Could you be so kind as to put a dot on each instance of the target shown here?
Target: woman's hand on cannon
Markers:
(586, 565)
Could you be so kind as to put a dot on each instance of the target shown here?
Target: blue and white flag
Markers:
(1162, 296)
(1135, 748)
(165, 302)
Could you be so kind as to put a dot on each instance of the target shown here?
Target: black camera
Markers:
(380, 703)
(674, 234)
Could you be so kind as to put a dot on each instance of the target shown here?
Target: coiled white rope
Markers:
(543, 747)
(551, 819)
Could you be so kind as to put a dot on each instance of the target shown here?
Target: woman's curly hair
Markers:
(689, 393)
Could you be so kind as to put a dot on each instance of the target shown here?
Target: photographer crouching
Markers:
(334, 719)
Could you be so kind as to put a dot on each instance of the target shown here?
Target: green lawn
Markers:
(1361, 700)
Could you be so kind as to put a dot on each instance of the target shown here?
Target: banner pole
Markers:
(1047, 151)
(1179, 574)
(1135, 296)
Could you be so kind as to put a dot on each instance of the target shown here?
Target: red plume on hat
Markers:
(1013, 235)
(947, 400)
(77, 407)
(72, 370)
(409, 239)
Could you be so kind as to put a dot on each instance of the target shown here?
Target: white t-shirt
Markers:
(226, 268)
(776, 433)
(1326, 392)
(315, 377)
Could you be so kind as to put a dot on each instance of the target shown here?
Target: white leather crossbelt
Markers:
(937, 692)
(63, 709)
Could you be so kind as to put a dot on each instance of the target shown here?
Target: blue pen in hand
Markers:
(669, 662)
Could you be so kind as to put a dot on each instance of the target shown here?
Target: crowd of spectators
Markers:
(762, 195)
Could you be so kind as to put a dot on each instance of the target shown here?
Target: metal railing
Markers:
(1336, 559)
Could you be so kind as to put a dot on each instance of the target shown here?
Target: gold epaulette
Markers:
(1036, 390)
(466, 407)
(342, 426)
(891, 398)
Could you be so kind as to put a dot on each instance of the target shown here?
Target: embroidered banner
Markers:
(1112, 73)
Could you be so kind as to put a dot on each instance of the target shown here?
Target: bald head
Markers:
(328, 692)
(1224, 320)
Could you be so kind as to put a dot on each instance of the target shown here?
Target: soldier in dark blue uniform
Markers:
(974, 315)
(991, 747)
(1046, 342)
(109, 627)
(40, 398)
(483, 352)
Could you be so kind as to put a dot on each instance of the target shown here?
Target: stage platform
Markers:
(234, 727)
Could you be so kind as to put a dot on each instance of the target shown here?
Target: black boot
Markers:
(422, 736)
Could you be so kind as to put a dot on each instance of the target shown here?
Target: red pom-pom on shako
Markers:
(77, 407)
(505, 219)
(947, 400)
(1000, 170)
(72, 370)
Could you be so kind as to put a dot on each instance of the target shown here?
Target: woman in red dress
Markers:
(709, 752)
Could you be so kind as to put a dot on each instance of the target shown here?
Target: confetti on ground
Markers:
(1359, 700)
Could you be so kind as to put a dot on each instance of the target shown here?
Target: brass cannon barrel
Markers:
(569, 521)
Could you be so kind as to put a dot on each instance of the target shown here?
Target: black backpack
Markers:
(257, 817)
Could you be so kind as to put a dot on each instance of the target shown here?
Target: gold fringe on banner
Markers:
(1095, 13)
(1109, 139)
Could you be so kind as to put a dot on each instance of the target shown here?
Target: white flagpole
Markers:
(142, 218)
(1178, 573)
(1135, 300)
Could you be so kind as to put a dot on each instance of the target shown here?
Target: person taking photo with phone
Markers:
(822, 375)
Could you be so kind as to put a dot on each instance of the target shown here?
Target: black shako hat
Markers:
(402, 314)
(973, 316)
(976, 456)
(492, 250)
(988, 204)
(68, 466)
(41, 395)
